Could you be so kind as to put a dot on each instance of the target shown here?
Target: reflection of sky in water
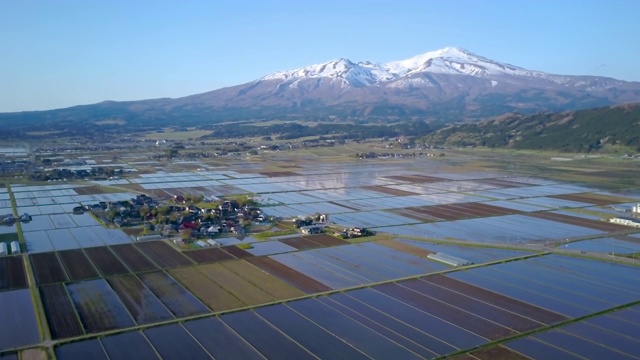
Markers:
(338, 190)
(13, 151)
(497, 229)
(606, 245)
(553, 203)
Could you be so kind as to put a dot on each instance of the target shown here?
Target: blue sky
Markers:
(63, 53)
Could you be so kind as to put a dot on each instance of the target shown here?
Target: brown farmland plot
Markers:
(300, 243)
(140, 301)
(33, 354)
(77, 264)
(269, 283)
(238, 286)
(237, 252)
(163, 254)
(210, 255)
(92, 190)
(289, 275)
(106, 261)
(389, 191)
(47, 268)
(133, 258)
(98, 306)
(574, 220)
(497, 353)
(460, 211)
(61, 316)
(326, 240)
(173, 295)
(12, 275)
(406, 248)
(488, 209)
(214, 296)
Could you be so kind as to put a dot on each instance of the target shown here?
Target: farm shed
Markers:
(149, 237)
(202, 244)
(626, 221)
(449, 260)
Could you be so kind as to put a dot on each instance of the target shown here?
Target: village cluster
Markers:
(179, 216)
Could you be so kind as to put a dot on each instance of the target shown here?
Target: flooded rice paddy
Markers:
(317, 296)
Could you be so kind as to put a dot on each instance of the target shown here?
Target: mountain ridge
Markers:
(449, 84)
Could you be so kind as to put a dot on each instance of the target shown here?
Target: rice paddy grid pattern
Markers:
(444, 198)
(574, 287)
(73, 199)
(91, 236)
(497, 229)
(532, 191)
(17, 188)
(363, 304)
(577, 214)
(380, 253)
(565, 345)
(58, 221)
(605, 245)
(339, 268)
(475, 255)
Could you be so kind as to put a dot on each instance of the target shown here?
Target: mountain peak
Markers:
(331, 68)
(449, 60)
(350, 73)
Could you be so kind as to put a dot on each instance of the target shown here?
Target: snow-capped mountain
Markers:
(450, 82)
(450, 60)
(446, 84)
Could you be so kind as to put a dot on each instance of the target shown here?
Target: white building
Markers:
(626, 221)
(202, 244)
(636, 209)
(15, 247)
(449, 259)
(149, 237)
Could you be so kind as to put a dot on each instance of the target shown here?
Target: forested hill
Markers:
(573, 131)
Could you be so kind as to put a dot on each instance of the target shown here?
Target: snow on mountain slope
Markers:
(450, 60)
(362, 74)
(345, 74)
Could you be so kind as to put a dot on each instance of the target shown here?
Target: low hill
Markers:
(573, 131)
